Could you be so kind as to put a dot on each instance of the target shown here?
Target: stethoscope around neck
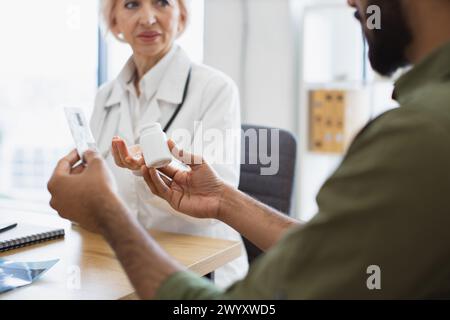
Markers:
(174, 115)
(180, 106)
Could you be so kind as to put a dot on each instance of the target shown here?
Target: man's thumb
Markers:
(90, 156)
(184, 156)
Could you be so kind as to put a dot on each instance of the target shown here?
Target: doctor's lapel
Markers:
(125, 128)
(172, 87)
(153, 113)
(109, 121)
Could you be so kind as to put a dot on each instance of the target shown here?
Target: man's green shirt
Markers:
(383, 226)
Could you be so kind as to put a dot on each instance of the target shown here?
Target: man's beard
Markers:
(388, 45)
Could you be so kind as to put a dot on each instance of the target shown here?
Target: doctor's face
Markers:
(150, 27)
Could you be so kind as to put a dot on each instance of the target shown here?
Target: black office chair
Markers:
(272, 190)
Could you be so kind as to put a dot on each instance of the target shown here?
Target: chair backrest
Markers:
(274, 190)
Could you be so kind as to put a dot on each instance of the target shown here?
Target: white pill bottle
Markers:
(154, 147)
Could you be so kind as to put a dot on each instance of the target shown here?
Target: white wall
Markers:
(253, 41)
(266, 77)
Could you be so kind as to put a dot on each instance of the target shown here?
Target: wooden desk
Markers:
(101, 275)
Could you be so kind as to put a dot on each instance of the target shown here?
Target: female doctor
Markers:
(159, 83)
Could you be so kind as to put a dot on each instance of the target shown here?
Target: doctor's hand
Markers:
(127, 157)
(196, 192)
(84, 193)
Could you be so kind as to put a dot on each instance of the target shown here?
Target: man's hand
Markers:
(196, 192)
(83, 193)
(200, 193)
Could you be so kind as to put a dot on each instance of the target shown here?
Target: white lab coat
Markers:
(213, 99)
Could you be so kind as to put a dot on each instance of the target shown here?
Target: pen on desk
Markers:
(4, 228)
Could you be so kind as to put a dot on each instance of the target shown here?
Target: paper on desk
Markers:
(18, 274)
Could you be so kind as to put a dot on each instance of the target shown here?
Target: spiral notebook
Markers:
(26, 235)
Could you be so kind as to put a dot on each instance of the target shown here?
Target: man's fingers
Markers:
(53, 204)
(78, 169)
(65, 165)
(73, 157)
(169, 171)
(156, 184)
(166, 180)
(161, 187)
(91, 156)
(148, 180)
(184, 156)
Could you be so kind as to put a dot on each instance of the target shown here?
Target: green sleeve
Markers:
(386, 206)
(186, 285)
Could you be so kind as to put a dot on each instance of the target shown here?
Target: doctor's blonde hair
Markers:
(108, 6)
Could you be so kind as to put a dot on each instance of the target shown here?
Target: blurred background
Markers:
(287, 57)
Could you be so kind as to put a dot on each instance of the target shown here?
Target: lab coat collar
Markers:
(172, 84)
(174, 81)
(124, 78)
(151, 81)
(116, 95)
